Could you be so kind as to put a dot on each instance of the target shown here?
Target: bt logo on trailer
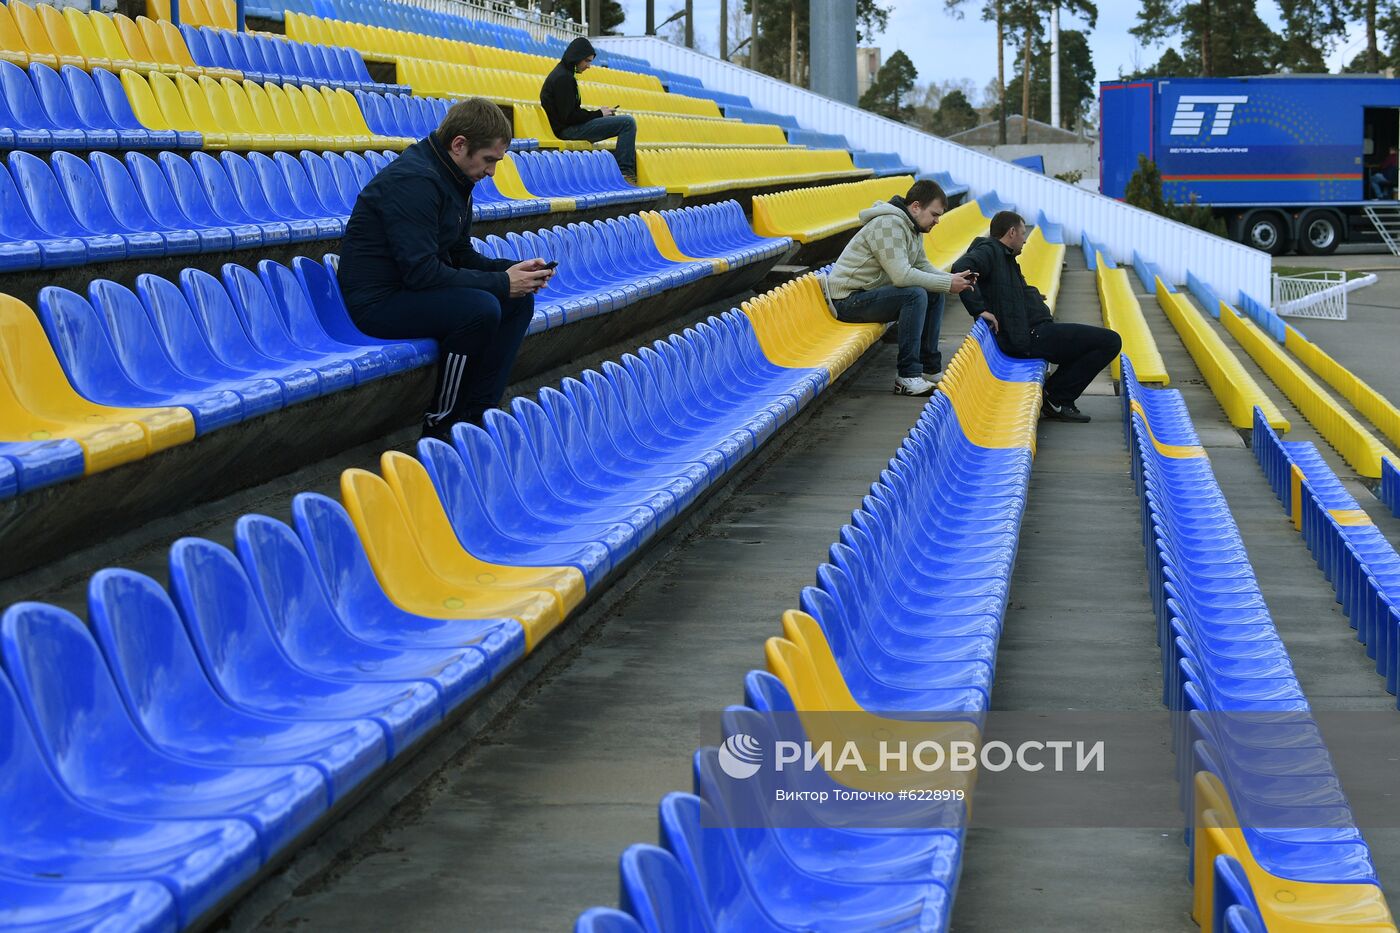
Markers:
(1188, 120)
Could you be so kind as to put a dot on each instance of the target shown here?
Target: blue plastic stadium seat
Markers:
(113, 95)
(268, 331)
(105, 179)
(90, 361)
(583, 176)
(221, 609)
(721, 231)
(191, 199)
(57, 101)
(92, 209)
(816, 140)
(23, 245)
(49, 833)
(160, 678)
(24, 118)
(606, 920)
(138, 906)
(222, 327)
(318, 281)
(88, 738)
(46, 205)
(883, 163)
(754, 115)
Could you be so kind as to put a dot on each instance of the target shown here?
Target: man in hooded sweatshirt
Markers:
(570, 120)
(1017, 313)
(884, 274)
(408, 270)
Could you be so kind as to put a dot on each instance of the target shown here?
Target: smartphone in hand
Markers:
(551, 264)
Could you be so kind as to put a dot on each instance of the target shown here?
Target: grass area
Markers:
(1304, 270)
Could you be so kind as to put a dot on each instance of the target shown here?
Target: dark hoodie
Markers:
(559, 94)
(1002, 290)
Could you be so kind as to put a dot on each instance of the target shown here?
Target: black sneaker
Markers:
(442, 431)
(1062, 412)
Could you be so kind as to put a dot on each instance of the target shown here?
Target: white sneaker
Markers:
(912, 385)
(934, 378)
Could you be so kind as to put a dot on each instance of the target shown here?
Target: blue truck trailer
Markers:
(1285, 160)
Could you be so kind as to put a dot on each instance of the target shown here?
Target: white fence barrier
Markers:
(1321, 295)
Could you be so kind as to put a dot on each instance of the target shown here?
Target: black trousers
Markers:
(1079, 351)
(479, 334)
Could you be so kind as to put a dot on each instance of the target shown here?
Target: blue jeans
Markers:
(1380, 185)
(601, 128)
(919, 313)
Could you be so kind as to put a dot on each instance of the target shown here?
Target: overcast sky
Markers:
(944, 48)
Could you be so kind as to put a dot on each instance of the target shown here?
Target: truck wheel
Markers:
(1319, 233)
(1266, 231)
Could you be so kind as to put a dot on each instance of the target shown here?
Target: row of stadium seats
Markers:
(1363, 451)
(413, 117)
(115, 376)
(187, 737)
(1122, 313)
(730, 859)
(1376, 408)
(883, 163)
(811, 214)
(92, 39)
(1234, 388)
(74, 109)
(1263, 804)
(445, 79)
(389, 44)
(691, 172)
(72, 211)
(232, 115)
(264, 57)
(1353, 554)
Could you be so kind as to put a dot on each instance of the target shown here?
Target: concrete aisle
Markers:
(523, 830)
(1330, 664)
(1079, 634)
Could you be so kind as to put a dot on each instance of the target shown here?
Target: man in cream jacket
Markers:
(884, 275)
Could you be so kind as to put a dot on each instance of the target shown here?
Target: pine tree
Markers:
(891, 94)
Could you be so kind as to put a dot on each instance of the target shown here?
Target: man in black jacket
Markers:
(1016, 312)
(569, 119)
(408, 269)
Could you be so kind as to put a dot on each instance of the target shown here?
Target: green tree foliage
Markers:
(1144, 190)
(1219, 38)
(891, 94)
(776, 20)
(1078, 79)
(612, 12)
(954, 114)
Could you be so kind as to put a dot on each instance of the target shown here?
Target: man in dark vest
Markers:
(1018, 315)
(408, 269)
(570, 120)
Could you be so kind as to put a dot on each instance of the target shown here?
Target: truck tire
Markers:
(1319, 233)
(1267, 231)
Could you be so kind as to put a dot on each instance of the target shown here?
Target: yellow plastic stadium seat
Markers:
(1176, 451)
(795, 328)
(104, 28)
(1234, 387)
(1041, 263)
(992, 412)
(691, 172)
(37, 403)
(422, 506)
(1287, 906)
(135, 43)
(811, 214)
(410, 582)
(955, 232)
(1123, 314)
(222, 13)
(61, 36)
(158, 104)
(12, 45)
(1377, 409)
(802, 660)
(665, 242)
(529, 121)
(1358, 446)
(160, 49)
(210, 113)
(88, 42)
(292, 107)
(511, 185)
(350, 120)
(234, 113)
(35, 37)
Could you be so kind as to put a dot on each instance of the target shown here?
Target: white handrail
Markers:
(505, 13)
(1227, 266)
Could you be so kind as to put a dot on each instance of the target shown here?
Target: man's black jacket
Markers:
(411, 229)
(559, 93)
(1002, 290)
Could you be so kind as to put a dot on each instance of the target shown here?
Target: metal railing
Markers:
(504, 13)
(1321, 294)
